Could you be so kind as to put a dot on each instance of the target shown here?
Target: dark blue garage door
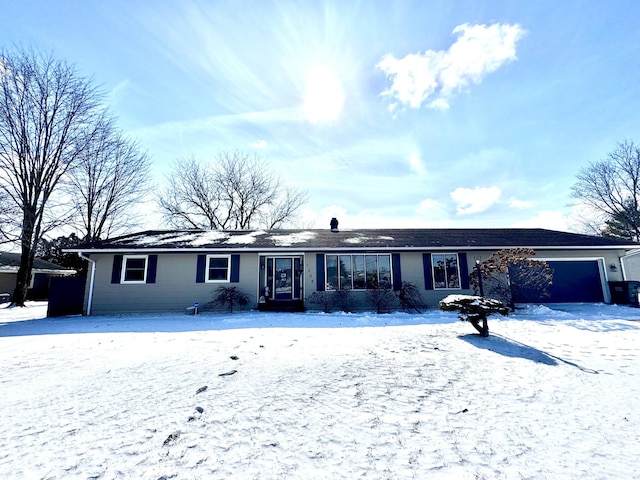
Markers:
(573, 281)
(576, 281)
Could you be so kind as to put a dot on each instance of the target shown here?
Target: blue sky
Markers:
(390, 113)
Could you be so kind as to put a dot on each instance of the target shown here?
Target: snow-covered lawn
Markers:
(553, 393)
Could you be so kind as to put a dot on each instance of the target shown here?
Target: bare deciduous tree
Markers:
(8, 214)
(47, 118)
(110, 178)
(512, 274)
(611, 189)
(236, 191)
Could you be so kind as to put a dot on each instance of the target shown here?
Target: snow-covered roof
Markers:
(10, 262)
(324, 239)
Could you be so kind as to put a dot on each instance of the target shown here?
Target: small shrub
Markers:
(342, 299)
(227, 297)
(323, 299)
(410, 297)
(382, 299)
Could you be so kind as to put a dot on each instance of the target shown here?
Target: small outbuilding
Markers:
(40, 276)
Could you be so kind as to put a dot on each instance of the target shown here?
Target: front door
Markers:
(283, 278)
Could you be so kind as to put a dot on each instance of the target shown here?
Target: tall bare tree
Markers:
(610, 188)
(110, 178)
(47, 119)
(236, 191)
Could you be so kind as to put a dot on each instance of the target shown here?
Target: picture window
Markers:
(358, 272)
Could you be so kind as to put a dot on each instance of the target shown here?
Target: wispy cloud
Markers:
(260, 144)
(475, 200)
(433, 77)
(398, 218)
(117, 93)
(432, 209)
(515, 203)
(415, 162)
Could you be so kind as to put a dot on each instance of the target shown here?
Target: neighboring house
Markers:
(631, 265)
(40, 276)
(279, 269)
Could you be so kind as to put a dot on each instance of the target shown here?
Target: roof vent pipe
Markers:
(334, 225)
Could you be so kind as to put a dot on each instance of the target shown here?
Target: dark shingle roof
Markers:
(400, 239)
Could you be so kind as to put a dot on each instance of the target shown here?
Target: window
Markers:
(446, 272)
(217, 268)
(358, 272)
(134, 269)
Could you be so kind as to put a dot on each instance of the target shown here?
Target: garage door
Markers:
(576, 281)
(573, 281)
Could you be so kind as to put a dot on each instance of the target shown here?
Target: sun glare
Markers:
(324, 96)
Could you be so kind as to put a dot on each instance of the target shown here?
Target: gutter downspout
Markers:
(93, 276)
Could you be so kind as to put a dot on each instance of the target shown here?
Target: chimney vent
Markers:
(334, 225)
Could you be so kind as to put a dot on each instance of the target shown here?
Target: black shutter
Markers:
(116, 273)
(426, 266)
(235, 269)
(397, 275)
(202, 260)
(464, 271)
(151, 268)
(320, 272)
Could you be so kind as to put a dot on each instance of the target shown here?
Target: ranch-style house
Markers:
(156, 271)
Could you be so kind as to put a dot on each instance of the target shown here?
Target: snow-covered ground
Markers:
(553, 393)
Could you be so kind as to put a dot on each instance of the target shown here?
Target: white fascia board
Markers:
(292, 250)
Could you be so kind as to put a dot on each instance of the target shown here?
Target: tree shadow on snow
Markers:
(508, 348)
(512, 348)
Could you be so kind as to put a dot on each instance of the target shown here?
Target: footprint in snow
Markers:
(171, 438)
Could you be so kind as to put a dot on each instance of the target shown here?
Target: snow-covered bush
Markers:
(472, 309)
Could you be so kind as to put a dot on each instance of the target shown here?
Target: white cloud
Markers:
(259, 144)
(551, 220)
(434, 76)
(475, 200)
(431, 208)
(515, 203)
